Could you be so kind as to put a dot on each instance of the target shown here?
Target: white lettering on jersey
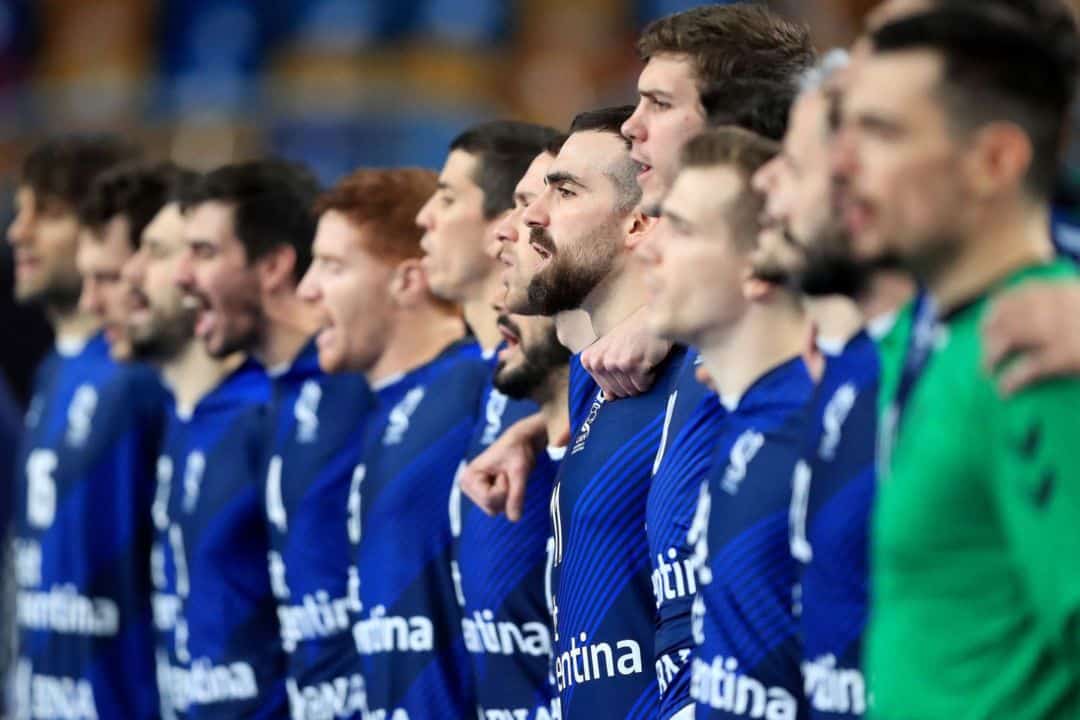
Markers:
(484, 635)
(205, 683)
(27, 562)
(194, 467)
(721, 686)
(342, 697)
(80, 415)
(742, 453)
(306, 412)
(833, 689)
(698, 539)
(41, 487)
(381, 633)
(398, 423)
(275, 503)
(801, 549)
(62, 609)
(50, 697)
(159, 510)
(317, 616)
(586, 426)
(596, 661)
(836, 412)
(673, 578)
(493, 414)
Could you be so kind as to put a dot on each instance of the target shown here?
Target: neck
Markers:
(193, 373)
(1012, 239)
(72, 325)
(408, 347)
(836, 318)
(766, 336)
(480, 317)
(889, 290)
(575, 330)
(554, 407)
(616, 297)
(290, 323)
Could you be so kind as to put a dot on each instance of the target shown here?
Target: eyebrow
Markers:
(654, 94)
(561, 176)
(443, 185)
(524, 196)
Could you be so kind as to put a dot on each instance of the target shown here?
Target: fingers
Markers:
(485, 488)
(1011, 325)
(516, 483)
(1033, 367)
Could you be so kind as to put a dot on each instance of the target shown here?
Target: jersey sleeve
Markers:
(1036, 490)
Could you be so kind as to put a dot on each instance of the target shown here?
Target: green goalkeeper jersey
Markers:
(976, 537)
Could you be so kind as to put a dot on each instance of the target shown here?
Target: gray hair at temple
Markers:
(817, 77)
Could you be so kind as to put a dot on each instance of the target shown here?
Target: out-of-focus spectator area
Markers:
(336, 83)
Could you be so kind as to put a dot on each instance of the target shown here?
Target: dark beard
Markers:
(562, 285)
(538, 363)
(165, 341)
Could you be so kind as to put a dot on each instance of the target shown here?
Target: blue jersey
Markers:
(502, 570)
(408, 631)
(82, 535)
(833, 492)
(688, 443)
(315, 443)
(604, 613)
(746, 663)
(219, 652)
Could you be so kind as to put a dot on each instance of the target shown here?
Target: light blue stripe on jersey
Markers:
(82, 535)
(747, 660)
(212, 570)
(408, 631)
(316, 441)
(692, 431)
(601, 574)
(831, 540)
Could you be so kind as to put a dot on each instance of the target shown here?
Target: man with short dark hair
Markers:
(948, 150)
(121, 202)
(460, 221)
(246, 228)
(84, 471)
(584, 226)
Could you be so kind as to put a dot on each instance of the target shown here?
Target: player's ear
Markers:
(998, 159)
(755, 289)
(275, 270)
(637, 227)
(408, 283)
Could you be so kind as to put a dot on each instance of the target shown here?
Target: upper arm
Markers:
(1036, 490)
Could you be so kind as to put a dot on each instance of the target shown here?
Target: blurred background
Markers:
(334, 83)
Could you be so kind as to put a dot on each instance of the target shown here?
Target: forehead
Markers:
(668, 72)
(167, 227)
(898, 81)
(459, 168)
(808, 121)
(98, 250)
(700, 195)
(892, 10)
(533, 179)
(210, 221)
(589, 154)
